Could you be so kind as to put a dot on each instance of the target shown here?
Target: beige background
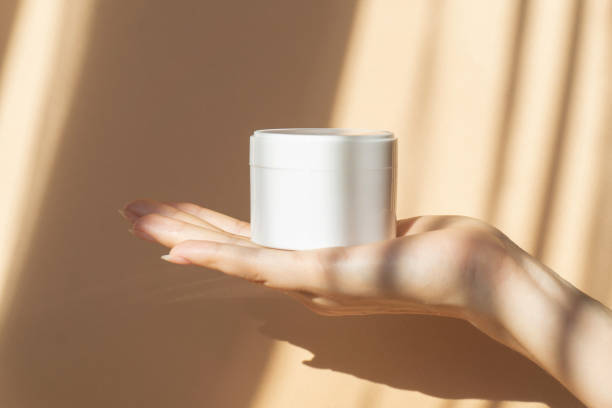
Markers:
(502, 109)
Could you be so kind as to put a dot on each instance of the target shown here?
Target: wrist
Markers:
(531, 305)
(495, 298)
(558, 327)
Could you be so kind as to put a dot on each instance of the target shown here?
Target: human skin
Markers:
(451, 266)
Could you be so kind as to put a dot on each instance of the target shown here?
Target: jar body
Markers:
(314, 208)
(319, 187)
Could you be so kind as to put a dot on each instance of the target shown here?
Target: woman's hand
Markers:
(443, 265)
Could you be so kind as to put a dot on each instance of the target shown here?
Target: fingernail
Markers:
(128, 215)
(142, 235)
(175, 259)
(138, 207)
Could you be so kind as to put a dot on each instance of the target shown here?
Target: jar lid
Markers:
(322, 149)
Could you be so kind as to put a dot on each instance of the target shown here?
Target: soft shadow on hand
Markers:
(442, 357)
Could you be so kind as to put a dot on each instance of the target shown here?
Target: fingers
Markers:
(139, 208)
(274, 268)
(169, 231)
(187, 212)
(353, 271)
(222, 221)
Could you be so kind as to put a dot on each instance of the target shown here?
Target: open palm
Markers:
(440, 265)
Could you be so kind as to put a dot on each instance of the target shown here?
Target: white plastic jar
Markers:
(315, 187)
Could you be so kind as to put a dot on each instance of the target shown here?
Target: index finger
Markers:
(222, 221)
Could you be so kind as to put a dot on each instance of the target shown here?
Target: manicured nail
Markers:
(175, 259)
(138, 207)
(128, 215)
(142, 235)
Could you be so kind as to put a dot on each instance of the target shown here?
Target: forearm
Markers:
(563, 330)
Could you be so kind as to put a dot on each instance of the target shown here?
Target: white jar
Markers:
(315, 188)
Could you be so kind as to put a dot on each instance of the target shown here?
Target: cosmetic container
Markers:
(316, 187)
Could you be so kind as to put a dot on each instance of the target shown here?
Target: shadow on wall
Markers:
(552, 178)
(167, 98)
(8, 11)
(444, 357)
(598, 279)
